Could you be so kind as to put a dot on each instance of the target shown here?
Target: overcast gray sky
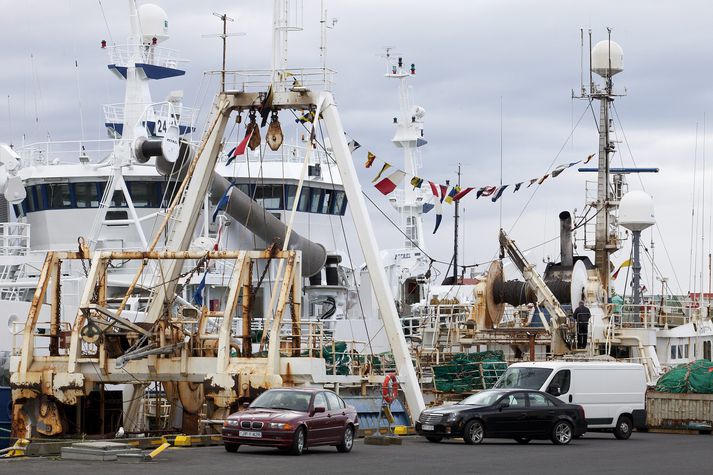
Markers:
(470, 57)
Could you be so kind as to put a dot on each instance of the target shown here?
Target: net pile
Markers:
(696, 377)
(468, 372)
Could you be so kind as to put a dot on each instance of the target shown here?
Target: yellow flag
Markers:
(626, 263)
(383, 169)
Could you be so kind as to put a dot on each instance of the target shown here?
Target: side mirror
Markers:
(555, 390)
(318, 409)
(503, 405)
(246, 404)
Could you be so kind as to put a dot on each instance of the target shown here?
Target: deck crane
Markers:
(557, 325)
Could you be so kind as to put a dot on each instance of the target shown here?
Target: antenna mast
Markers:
(606, 60)
(225, 19)
(455, 236)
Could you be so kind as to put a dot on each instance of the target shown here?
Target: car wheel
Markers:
(299, 442)
(473, 432)
(623, 428)
(562, 433)
(434, 439)
(231, 447)
(523, 440)
(347, 440)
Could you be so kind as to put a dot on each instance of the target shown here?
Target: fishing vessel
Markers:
(201, 264)
(529, 317)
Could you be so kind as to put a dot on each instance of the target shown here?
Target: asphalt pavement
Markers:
(594, 453)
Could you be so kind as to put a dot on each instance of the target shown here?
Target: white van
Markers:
(612, 394)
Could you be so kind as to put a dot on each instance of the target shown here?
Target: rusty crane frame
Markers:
(164, 348)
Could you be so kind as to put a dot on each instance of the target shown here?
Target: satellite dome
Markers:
(153, 22)
(636, 211)
(601, 55)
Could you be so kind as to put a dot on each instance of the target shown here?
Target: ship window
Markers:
(118, 200)
(269, 196)
(34, 204)
(143, 194)
(316, 196)
(86, 195)
(339, 203)
(706, 350)
(43, 194)
(245, 188)
(328, 194)
(290, 191)
(28, 204)
(58, 196)
(303, 205)
(673, 352)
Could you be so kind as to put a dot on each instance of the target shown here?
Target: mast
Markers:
(409, 137)
(606, 60)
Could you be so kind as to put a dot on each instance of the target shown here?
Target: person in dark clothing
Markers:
(581, 316)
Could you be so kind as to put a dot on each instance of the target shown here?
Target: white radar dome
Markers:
(154, 23)
(636, 211)
(601, 55)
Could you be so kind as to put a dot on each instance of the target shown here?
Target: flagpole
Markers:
(455, 236)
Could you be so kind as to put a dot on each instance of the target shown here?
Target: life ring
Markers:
(390, 388)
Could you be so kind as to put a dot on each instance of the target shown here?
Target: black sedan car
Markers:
(517, 414)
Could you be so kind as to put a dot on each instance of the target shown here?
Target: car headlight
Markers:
(451, 417)
(230, 423)
(280, 425)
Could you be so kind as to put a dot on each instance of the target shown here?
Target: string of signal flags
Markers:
(389, 178)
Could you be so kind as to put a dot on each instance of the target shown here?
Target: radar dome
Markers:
(601, 55)
(154, 23)
(636, 211)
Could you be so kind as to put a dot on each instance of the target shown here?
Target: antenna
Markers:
(581, 61)
(224, 36)
(325, 25)
(9, 117)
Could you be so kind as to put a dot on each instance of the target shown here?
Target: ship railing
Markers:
(180, 114)
(282, 80)
(14, 239)
(42, 336)
(650, 315)
(288, 153)
(64, 152)
(130, 54)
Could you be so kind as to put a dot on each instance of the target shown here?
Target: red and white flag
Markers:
(389, 184)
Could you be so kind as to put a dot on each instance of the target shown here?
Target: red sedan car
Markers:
(293, 419)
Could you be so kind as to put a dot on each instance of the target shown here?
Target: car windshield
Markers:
(288, 400)
(523, 378)
(484, 398)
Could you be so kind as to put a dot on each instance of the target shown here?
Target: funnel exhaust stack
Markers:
(566, 248)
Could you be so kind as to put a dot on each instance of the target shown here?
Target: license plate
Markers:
(427, 427)
(250, 433)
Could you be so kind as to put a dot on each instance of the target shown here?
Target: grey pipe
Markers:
(566, 249)
(253, 216)
(267, 227)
